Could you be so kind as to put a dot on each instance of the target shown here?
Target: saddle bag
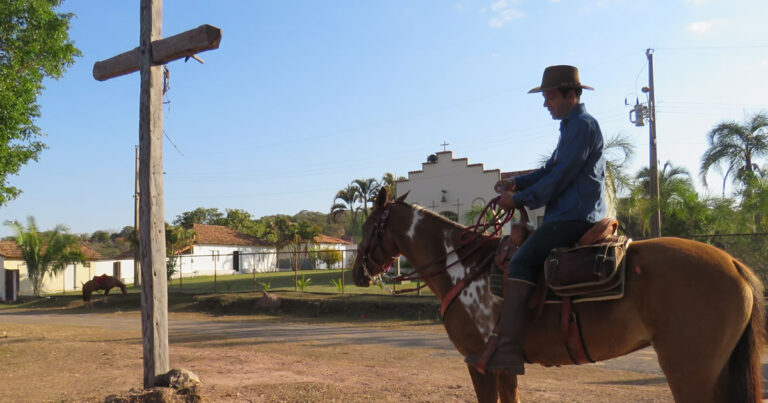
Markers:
(586, 269)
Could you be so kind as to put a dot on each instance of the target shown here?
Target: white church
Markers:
(451, 186)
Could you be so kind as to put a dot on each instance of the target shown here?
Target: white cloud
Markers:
(703, 27)
(458, 7)
(504, 12)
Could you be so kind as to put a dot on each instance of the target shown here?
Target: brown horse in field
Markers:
(701, 309)
(103, 282)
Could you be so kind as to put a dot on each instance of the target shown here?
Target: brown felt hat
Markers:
(560, 77)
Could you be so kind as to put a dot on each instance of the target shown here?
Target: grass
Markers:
(279, 281)
(235, 295)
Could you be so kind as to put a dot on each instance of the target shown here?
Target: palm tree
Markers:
(618, 152)
(367, 189)
(736, 146)
(675, 187)
(389, 182)
(345, 201)
(45, 253)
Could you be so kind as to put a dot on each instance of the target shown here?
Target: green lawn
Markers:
(319, 281)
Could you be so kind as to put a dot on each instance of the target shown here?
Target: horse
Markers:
(103, 282)
(700, 308)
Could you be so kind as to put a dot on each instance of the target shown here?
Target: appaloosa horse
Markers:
(701, 309)
(103, 282)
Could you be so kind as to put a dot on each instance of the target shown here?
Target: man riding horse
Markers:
(571, 185)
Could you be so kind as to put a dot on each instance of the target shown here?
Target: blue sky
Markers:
(302, 97)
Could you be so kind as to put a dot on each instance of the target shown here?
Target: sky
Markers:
(302, 97)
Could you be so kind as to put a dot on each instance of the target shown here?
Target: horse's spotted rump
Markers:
(474, 297)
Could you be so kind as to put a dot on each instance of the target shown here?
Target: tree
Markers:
(618, 153)
(45, 253)
(237, 219)
(389, 181)
(736, 147)
(99, 236)
(331, 257)
(200, 215)
(34, 45)
(345, 204)
(677, 198)
(176, 239)
(367, 189)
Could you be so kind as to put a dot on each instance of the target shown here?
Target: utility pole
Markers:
(654, 163)
(136, 251)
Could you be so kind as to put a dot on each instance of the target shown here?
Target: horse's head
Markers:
(377, 250)
(121, 285)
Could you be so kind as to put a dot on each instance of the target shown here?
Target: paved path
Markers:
(643, 361)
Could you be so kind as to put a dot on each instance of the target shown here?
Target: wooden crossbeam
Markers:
(185, 44)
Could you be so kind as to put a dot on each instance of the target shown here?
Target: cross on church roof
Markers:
(445, 145)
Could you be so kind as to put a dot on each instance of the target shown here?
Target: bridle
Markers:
(378, 234)
(491, 227)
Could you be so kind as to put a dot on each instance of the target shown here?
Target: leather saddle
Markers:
(593, 269)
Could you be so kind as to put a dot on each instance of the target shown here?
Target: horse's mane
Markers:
(435, 215)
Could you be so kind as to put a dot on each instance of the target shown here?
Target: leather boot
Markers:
(513, 320)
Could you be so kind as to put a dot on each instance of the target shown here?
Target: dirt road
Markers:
(89, 356)
(643, 361)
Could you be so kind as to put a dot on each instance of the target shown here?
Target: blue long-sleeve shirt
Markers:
(571, 184)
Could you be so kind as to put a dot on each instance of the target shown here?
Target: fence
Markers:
(316, 270)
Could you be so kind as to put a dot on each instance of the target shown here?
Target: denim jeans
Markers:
(528, 261)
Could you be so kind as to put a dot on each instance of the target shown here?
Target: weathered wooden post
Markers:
(149, 58)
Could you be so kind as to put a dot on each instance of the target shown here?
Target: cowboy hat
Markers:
(559, 77)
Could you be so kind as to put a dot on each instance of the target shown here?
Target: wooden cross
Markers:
(457, 207)
(149, 58)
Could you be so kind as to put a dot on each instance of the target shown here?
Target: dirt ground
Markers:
(82, 363)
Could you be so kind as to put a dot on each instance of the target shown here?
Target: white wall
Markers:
(207, 259)
(470, 184)
(467, 184)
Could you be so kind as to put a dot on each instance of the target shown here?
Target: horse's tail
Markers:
(744, 366)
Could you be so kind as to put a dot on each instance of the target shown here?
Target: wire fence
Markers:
(320, 271)
(329, 271)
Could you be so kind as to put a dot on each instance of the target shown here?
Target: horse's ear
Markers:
(382, 198)
(402, 198)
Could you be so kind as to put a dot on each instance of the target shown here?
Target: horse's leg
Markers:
(485, 385)
(507, 384)
(694, 353)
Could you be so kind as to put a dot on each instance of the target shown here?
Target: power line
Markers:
(714, 47)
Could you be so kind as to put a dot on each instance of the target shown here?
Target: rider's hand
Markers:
(506, 202)
(504, 185)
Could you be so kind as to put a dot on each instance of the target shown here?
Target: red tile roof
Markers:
(11, 250)
(221, 235)
(126, 255)
(322, 238)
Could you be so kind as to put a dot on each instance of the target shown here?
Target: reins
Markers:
(487, 227)
(467, 236)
